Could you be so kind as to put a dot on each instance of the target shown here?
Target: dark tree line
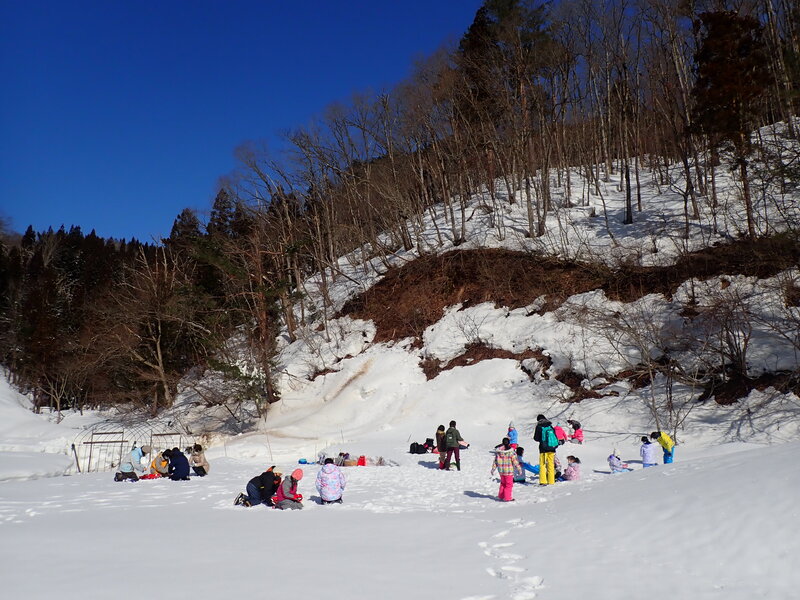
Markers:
(535, 94)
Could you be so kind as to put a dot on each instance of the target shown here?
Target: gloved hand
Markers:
(299, 497)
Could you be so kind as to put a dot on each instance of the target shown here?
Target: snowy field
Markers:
(718, 523)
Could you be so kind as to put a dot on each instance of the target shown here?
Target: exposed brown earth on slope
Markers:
(413, 297)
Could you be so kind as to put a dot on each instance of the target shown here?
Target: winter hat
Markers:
(511, 425)
(541, 418)
(297, 474)
(146, 449)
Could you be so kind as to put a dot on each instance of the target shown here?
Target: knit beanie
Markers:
(297, 474)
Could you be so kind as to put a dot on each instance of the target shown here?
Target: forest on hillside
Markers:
(536, 97)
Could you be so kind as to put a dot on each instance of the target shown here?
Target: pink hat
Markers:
(297, 474)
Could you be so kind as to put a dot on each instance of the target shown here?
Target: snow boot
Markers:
(239, 500)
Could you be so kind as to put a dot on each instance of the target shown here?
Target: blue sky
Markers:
(115, 115)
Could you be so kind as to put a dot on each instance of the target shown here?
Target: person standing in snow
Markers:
(287, 496)
(441, 445)
(132, 463)
(200, 465)
(507, 465)
(330, 482)
(648, 453)
(453, 442)
(513, 436)
(577, 432)
(666, 443)
(548, 443)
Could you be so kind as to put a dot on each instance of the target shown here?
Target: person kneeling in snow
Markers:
(160, 465)
(330, 483)
(577, 432)
(260, 489)
(616, 464)
(132, 463)
(178, 465)
(200, 465)
(648, 452)
(287, 492)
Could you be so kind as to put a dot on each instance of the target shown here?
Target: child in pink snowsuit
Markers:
(507, 465)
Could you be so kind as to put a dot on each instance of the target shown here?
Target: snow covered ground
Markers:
(718, 523)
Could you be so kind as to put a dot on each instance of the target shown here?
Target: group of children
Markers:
(510, 464)
(648, 451)
(271, 489)
(172, 464)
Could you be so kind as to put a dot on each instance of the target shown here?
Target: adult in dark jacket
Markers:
(453, 442)
(178, 465)
(261, 488)
(546, 436)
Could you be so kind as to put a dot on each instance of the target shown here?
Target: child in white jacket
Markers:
(648, 452)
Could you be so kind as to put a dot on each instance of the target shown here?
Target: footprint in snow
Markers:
(500, 534)
(512, 569)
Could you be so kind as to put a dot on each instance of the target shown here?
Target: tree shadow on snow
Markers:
(429, 464)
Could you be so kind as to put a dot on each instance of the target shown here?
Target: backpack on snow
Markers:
(417, 448)
(549, 437)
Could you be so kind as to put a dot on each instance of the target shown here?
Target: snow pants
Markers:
(547, 468)
(506, 487)
(289, 504)
(450, 452)
(254, 496)
(669, 455)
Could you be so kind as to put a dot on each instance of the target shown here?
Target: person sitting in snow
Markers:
(132, 463)
(648, 452)
(573, 470)
(260, 489)
(577, 432)
(526, 466)
(666, 443)
(513, 436)
(454, 442)
(287, 496)
(616, 465)
(507, 465)
(178, 465)
(200, 465)
(330, 483)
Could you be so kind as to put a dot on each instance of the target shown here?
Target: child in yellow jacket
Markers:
(666, 443)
